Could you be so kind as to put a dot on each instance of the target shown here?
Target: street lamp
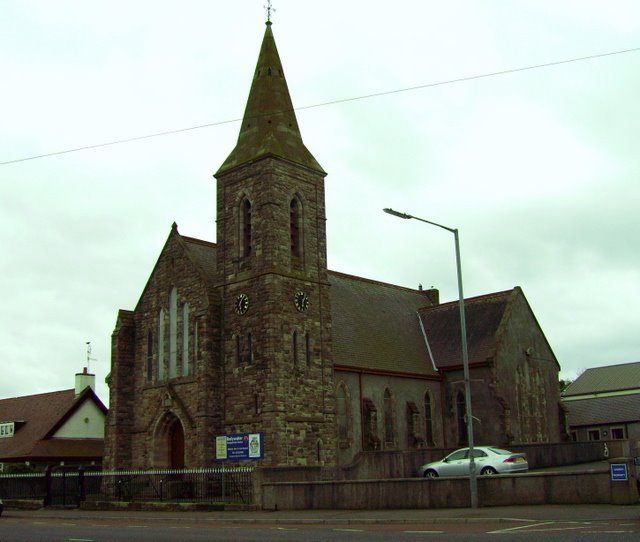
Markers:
(473, 482)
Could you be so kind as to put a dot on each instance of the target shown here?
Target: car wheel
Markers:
(430, 473)
(488, 471)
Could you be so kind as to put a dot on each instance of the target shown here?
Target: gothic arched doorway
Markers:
(176, 445)
(169, 442)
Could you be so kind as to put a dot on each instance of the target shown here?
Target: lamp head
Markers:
(390, 211)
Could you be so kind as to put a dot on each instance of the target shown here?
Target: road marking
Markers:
(284, 529)
(520, 527)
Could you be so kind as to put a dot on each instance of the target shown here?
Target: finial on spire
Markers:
(269, 9)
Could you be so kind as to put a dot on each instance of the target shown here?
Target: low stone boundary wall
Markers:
(524, 489)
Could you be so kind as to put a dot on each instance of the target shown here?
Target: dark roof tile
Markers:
(603, 410)
(483, 316)
(375, 326)
(625, 376)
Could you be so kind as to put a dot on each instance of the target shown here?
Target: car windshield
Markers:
(500, 451)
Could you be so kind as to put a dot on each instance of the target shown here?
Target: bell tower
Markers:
(272, 268)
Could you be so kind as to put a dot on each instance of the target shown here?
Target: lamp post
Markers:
(473, 482)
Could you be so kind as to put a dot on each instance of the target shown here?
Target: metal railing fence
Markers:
(66, 487)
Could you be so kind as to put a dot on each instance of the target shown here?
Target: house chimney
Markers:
(83, 380)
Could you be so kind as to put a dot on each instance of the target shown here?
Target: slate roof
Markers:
(375, 326)
(612, 378)
(483, 316)
(603, 410)
(42, 414)
(204, 254)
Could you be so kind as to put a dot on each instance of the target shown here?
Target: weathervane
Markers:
(269, 9)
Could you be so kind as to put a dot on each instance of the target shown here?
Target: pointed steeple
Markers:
(269, 126)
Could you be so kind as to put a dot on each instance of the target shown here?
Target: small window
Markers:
(617, 433)
(593, 434)
(238, 350)
(186, 361)
(173, 333)
(294, 347)
(249, 349)
(371, 441)
(342, 415)
(389, 437)
(294, 219)
(161, 340)
(428, 420)
(246, 227)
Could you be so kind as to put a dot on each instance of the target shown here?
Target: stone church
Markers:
(254, 333)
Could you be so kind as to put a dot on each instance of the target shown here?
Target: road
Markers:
(23, 527)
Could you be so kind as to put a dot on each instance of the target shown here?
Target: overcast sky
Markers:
(539, 169)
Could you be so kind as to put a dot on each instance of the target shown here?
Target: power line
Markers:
(332, 102)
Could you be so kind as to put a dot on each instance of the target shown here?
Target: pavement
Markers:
(535, 513)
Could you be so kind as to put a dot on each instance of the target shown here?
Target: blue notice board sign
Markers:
(240, 447)
(619, 472)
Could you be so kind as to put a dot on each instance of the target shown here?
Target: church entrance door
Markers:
(176, 446)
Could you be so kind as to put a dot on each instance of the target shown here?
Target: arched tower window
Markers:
(173, 333)
(294, 347)
(249, 349)
(245, 228)
(389, 437)
(294, 226)
(238, 349)
(428, 420)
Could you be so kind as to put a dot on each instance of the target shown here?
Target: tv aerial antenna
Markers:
(89, 358)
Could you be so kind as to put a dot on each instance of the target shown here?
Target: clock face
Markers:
(301, 301)
(242, 303)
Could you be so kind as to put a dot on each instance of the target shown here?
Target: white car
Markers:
(488, 460)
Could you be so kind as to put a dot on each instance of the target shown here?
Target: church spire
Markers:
(269, 126)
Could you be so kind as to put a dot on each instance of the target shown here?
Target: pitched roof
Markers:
(483, 316)
(603, 410)
(269, 126)
(204, 255)
(375, 326)
(612, 378)
(41, 414)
